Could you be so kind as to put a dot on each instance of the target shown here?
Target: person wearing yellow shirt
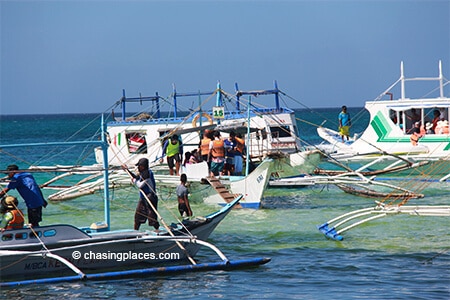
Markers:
(173, 149)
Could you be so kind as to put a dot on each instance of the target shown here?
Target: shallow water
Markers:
(397, 257)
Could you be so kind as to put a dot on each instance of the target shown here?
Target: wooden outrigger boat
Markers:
(268, 132)
(265, 130)
(271, 135)
(391, 121)
(51, 253)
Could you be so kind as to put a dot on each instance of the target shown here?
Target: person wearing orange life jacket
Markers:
(12, 217)
(204, 145)
(216, 155)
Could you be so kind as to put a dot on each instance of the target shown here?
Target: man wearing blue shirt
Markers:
(344, 123)
(27, 187)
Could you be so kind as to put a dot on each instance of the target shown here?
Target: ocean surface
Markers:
(397, 257)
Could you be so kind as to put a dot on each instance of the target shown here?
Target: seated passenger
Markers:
(428, 128)
(415, 134)
(436, 115)
(12, 217)
(442, 127)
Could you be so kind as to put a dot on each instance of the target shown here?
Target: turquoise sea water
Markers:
(398, 257)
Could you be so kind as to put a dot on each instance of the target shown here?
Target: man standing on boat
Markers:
(239, 157)
(230, 152)
(145, 181)
(216, 155)
(174, 151)
(204, 145)
(344, 123)
(29, 190)
(183, 201)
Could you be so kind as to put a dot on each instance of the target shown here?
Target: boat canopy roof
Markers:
(419, 105)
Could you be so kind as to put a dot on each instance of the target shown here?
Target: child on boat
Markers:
(183, 202)
(12, 217)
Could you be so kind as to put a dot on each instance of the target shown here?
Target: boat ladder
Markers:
(221, 189)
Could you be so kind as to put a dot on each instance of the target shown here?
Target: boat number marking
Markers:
(260, 178)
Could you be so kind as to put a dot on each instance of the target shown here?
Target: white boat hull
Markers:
(390, 125)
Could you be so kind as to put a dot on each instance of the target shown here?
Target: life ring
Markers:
(205, 115)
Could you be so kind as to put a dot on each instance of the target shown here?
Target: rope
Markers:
(163, 222)
(47, 251)
(31, 228)
(159, 215)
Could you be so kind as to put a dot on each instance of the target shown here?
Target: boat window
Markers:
(261, 134)
(396, 117)
(7, 237)
(21, 236)
(413, 115)
(49, 233)
(136, 142)
(264, 134)
(280, 131)
(38, 233)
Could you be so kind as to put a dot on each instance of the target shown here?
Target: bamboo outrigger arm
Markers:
(332, 230)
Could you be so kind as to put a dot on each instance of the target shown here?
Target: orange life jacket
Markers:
(218, 150)
(240, 145)
(17, 220)
(204, 146)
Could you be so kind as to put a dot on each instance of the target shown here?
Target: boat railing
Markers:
(229, 115)
(402, 80)
(173, 100)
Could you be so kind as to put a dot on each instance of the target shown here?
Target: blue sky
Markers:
(77, 56)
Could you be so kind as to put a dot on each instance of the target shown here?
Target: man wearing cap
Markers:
(27, 187)
(145, 181)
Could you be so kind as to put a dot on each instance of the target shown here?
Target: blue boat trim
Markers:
(252, 205)
(223, 265)
(330, 233)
